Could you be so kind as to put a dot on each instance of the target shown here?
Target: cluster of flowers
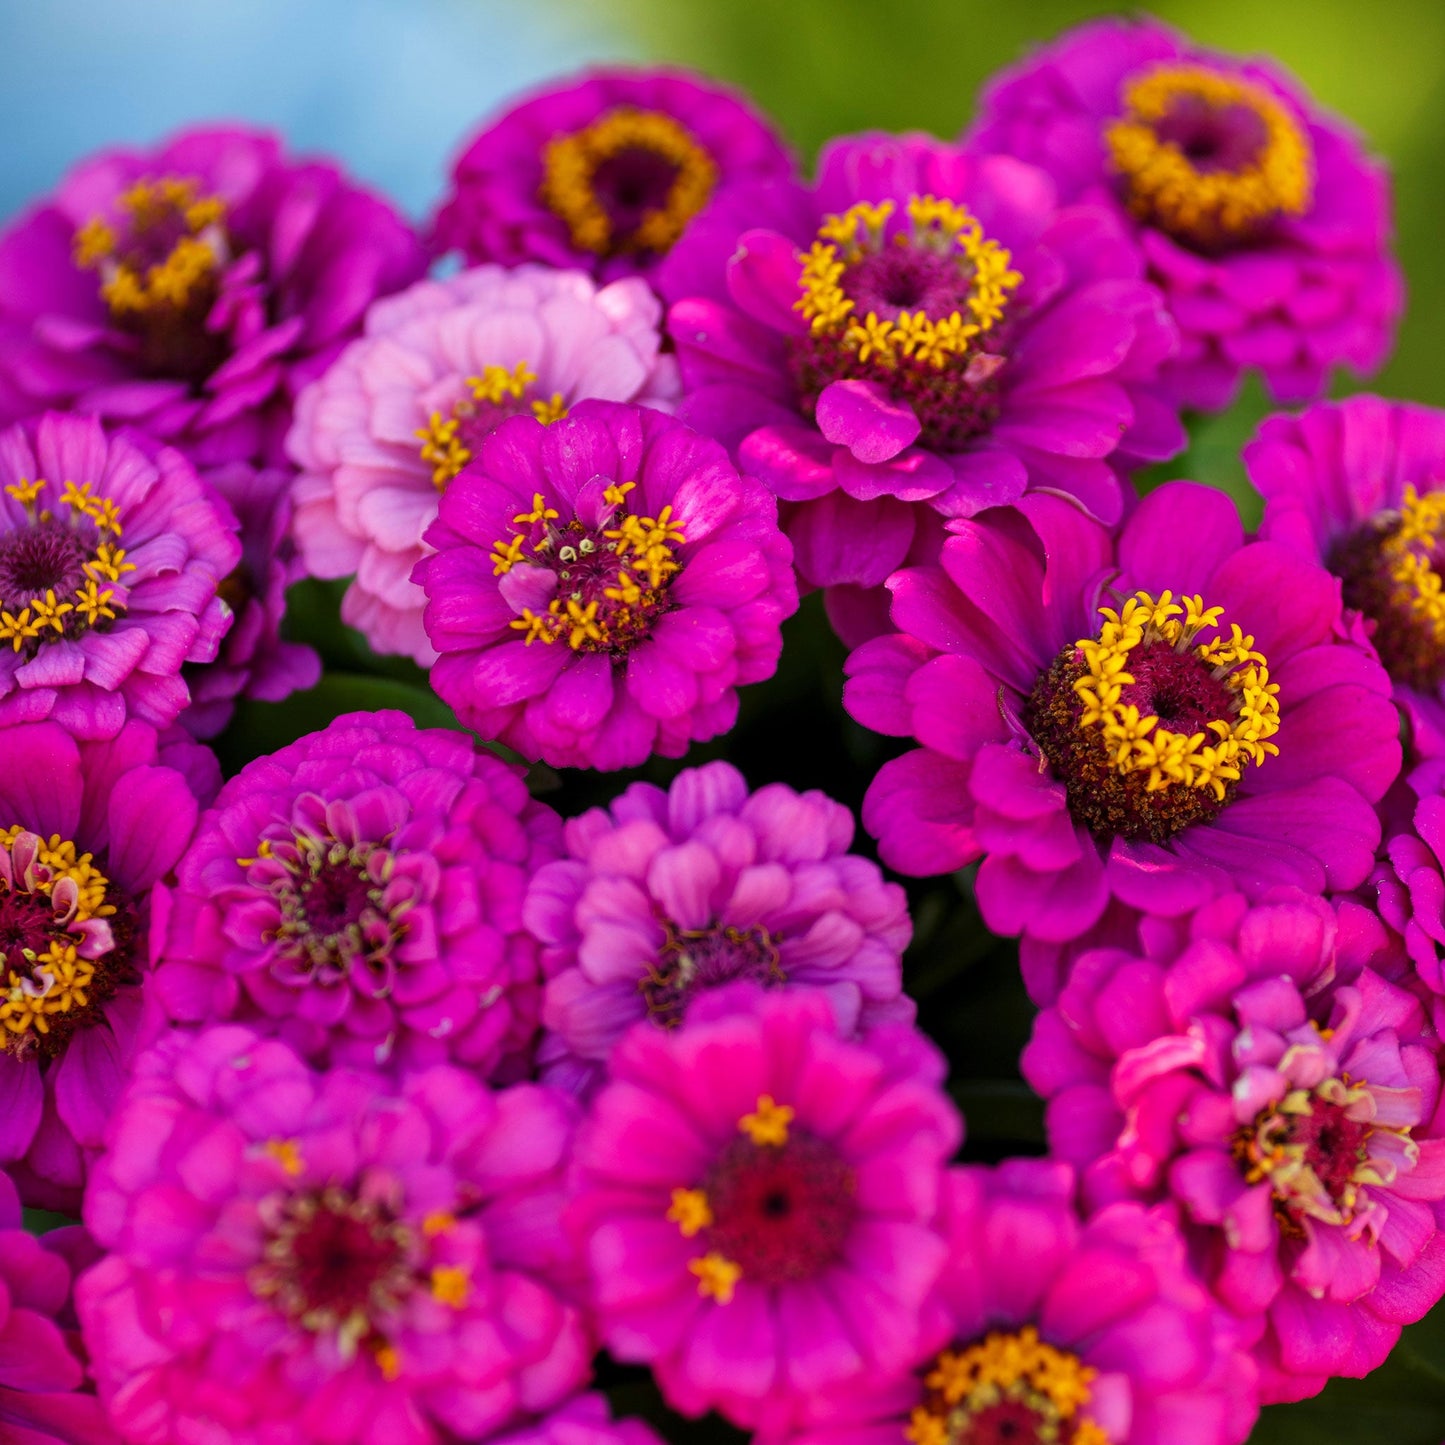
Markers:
(387, 1097)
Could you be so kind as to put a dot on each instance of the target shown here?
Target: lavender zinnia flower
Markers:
(604, 172)
(299, 1259)
(88, 831)
(756, 1200)
(669, 894)
(1261, 217)
(921, 327)
(192, 289)
(1152, 721)
(359, 894)
(601, 586)
(1285, 1096)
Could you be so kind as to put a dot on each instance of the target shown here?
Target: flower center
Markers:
(160, 267)
(60, 570)
(450, 442)
(599, 580)
(1008, 1389)
(695, 959)
(915, 307)
(776, 1206)
(66, 941)
(1148, 729)
(1209, 158)
(1390, 571)
(1316, 1147)
(630, 181)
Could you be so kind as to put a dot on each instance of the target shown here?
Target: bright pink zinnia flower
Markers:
(756, 1199)
(403, 410)
(1286, 1097)
(669, 894)
(88, 830)
(193, 289)
(1262, 219)
(359, 894)
(297, 1259)
(1153, 719)
(603, 172)
(1044, 1327)
(602, 585)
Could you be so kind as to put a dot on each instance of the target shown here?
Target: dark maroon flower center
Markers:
(692, 961)
(1332, 1143)
(630, 184)
(1227, 137)
(780, 1212)
(48, 555)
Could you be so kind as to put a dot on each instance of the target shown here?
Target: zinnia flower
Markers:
(669, 894)
(359, 894)
(601, 586)
(86, 831)
(583, 1420)
(1285, 1096)
(193, 289)
(297, 1258)
(112, 554)
(920, 327)
(756, 1200)
(1260, 215)
(43, 1400)
(255, 661)
(403, 410)
(1359, 485)
(1047, 1328)
(603, 173)
(1154, 722)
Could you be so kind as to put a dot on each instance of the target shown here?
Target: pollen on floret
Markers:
(768, 1123)
(690, 1211)
(717, 1277)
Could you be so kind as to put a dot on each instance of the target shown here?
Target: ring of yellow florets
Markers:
(1204, 206)
(1006, 1380)
(87, 525)
(448, 443)
(570, 180)
(612, 580)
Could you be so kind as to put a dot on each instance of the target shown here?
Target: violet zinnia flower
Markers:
(920, 327)
(297, 1258)
(602, 585)
(604, 172)
(88, 829)
(191, 290)
(403, 410)
(1154, 721)
(112, 554)
(668, 894)
(359, 894)
(1360, 485)
(43, 1396)
(1044, 1327)
(1408, 886)
(1260, 215)
(1285, 1097)
(583, 1420)
(254, 660)
(756, 1200)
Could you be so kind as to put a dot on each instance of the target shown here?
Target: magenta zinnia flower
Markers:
(1285, 1096)
(298, 1258)
(920, 327)
(604, 172)
(359, 894)
(112, 554)
(1046, 1328)
(1360, 485)
(191, 290)
(90, 828)
(1153, 722)
(403, 410)
(756, 1199)
(669, 894)
(601, 586)
(1261, 217)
